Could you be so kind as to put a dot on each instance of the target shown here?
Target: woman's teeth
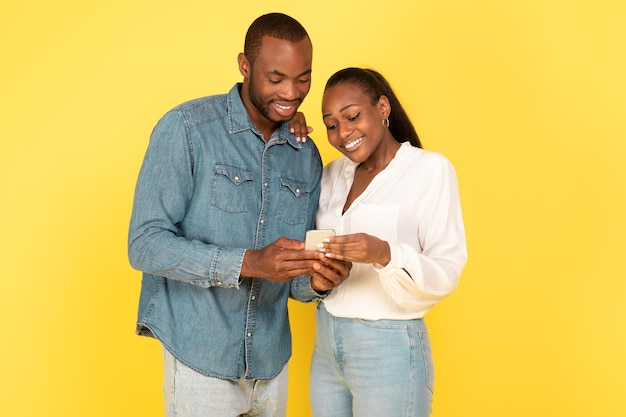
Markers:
(354, 143)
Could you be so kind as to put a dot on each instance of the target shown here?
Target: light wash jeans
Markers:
(188, 393)
(366, 368)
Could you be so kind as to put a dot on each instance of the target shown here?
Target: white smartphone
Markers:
(314, 237)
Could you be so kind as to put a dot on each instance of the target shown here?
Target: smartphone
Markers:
(314, 237)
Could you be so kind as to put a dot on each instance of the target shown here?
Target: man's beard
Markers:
(258, 103)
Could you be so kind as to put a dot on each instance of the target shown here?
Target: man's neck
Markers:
(265, 126)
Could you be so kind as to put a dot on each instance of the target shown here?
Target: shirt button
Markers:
(236, 178)
(265, 184)
(249, 334)
(253, 297)
(297, 191)
(219, 283)
(262, 221)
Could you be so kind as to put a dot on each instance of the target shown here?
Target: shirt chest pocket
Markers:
(231, 189)
(293, 201)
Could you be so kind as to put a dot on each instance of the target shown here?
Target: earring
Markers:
(386, 122)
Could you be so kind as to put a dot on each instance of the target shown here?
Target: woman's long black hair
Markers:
(374, 85)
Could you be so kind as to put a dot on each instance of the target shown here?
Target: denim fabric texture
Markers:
(190, 394)
(209, 189)
(370, 368)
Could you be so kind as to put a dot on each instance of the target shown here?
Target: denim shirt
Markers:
(209, 189)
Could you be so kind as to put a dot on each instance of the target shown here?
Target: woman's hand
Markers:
(357, 247)
(298, 127)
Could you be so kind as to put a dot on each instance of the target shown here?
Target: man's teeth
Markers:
(280, 106)
(354, 143)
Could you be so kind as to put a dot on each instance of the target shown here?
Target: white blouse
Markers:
(414, 205)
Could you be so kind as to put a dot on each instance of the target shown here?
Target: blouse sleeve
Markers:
(417, 278)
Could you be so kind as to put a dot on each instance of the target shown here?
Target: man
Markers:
(223, 200)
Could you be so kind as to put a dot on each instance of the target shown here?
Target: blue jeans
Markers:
(367, 368)
(188, 393)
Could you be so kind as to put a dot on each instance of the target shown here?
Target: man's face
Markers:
(276, 83)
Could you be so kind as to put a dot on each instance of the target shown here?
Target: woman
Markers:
(395, 208)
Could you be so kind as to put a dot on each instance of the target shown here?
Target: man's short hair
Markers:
(276, 25)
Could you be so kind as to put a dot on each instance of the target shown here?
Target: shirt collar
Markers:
(403, 152)
(240, 121)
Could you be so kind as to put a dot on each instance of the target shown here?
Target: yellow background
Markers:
(526, 98)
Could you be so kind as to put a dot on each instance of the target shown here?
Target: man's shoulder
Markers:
(201, 108)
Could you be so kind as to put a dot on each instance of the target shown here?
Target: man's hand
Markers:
(329, 273)
(280, 261)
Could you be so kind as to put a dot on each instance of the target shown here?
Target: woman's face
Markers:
(353, 124)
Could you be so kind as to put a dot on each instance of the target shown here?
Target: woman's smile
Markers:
(350, 146)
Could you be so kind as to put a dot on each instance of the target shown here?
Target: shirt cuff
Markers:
(301, 290)
(226, 267)
(396, 261)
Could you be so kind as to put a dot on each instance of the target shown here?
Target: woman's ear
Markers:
(384, 106)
